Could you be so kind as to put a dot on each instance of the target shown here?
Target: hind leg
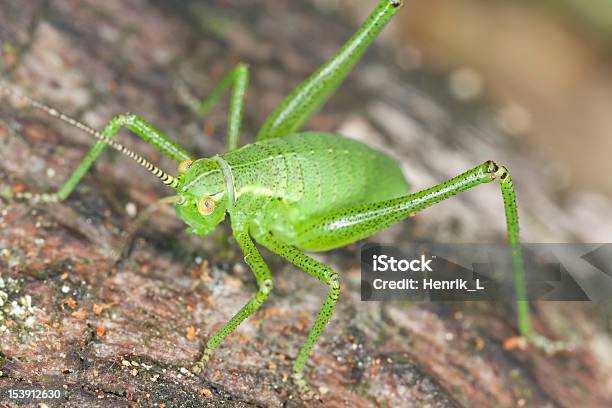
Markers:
(293, 112)
(351, 224)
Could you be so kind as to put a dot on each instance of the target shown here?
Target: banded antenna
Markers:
(165, 178)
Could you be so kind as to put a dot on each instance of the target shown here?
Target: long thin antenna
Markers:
(165, 178)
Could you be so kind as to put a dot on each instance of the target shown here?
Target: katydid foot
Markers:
(549, 346)
(306, 391)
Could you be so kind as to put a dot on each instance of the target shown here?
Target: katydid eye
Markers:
(206, 205)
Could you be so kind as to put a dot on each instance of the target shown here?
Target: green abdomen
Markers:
(310, 174)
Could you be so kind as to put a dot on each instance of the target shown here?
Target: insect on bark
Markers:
(291, 191)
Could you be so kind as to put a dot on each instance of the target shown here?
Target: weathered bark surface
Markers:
(123, 335)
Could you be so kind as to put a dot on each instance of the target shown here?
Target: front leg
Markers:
(264, 280)
(136, 124)
(326, 275)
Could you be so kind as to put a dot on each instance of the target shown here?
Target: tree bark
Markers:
(126, 334)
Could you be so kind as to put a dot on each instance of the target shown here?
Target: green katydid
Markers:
(293, 191)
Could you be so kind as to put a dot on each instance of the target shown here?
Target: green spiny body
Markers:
(279, 184)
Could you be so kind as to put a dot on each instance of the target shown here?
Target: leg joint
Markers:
(503, 174)
(497, 171)
(265, 287)
(122, 119)
(491, 167)
(242, 67)
(334, 285)
(127, 117)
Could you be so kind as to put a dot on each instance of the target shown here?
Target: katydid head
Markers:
(202, 186)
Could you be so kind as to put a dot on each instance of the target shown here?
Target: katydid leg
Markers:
(323, 273)
(310, 95)
(238, 80)
(350, 224)
(134, 123)
(264, 281)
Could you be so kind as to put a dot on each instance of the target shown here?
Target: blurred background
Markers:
(546, 64)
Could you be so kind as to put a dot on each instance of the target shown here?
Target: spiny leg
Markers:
(238, 79)
(264, 280)
(136, 124)
(351, 224)
(326, 275)
(311, 94)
